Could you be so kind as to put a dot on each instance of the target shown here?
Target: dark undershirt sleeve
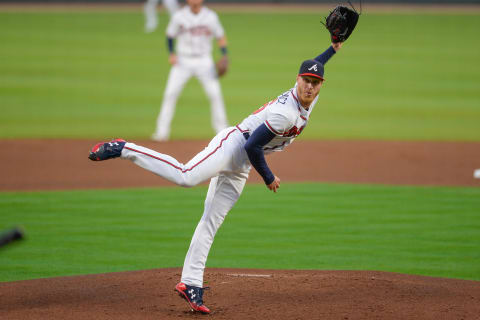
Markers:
(326, 55)
(254, 147)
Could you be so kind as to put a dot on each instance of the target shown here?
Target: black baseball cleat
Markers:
(107, 150)
(193, 295)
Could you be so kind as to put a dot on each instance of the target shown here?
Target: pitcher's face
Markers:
(308, 88)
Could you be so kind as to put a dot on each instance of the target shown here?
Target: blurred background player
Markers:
(150, 11)
(193, 27)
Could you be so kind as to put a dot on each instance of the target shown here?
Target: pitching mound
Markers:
(244, 294)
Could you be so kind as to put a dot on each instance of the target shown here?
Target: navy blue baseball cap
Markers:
(311, 68)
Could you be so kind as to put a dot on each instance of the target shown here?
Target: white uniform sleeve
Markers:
(217, 28)
(279, 121)
(173, 27)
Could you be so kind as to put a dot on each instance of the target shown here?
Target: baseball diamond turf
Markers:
(417, 230)
(97, 75)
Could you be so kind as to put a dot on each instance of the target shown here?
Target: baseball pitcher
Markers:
(228, 158)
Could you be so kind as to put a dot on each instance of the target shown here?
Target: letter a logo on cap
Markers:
(311, 68)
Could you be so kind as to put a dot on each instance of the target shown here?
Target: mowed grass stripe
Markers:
(418, 230)
(63, 74)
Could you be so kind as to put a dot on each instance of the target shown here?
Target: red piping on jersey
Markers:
(178, 168)
(273, 130)
(293, 95)
(242, 131)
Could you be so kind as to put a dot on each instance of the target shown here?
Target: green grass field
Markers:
(417, 230)
(96, 74)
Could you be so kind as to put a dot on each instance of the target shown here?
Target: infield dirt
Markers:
(63, 164)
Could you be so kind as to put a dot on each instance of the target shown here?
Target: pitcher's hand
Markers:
(274, 185)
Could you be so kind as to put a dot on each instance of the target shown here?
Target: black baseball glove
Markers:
(341, 22)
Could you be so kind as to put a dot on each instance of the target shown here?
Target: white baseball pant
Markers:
(203, 68)
(225, 161)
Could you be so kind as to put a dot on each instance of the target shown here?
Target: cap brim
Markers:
(312, 75)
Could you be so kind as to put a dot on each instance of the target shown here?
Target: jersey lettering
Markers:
(283, 98)
(200, 31)
(294, 131)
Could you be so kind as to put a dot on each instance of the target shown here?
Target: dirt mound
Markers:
(63, 164)
(244, 294)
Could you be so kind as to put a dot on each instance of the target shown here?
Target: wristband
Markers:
(170, 44)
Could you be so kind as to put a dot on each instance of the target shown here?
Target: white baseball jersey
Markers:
(283, 116)
(194, 32)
